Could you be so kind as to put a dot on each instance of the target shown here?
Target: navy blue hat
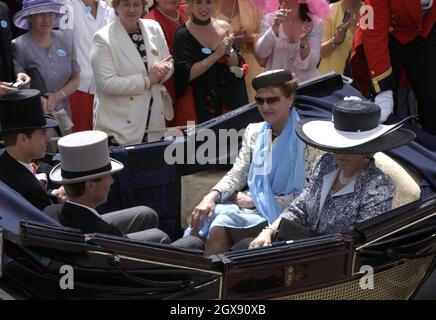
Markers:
(22, 110)
(271, 78)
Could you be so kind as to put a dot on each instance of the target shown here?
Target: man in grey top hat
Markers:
(23, 127)
(86, 171)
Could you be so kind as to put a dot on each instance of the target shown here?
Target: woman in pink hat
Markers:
(291, 36)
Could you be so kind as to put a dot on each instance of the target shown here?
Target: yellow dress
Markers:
(251, 22)
(336, 61)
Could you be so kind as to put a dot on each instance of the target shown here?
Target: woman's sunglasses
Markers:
(270, 100)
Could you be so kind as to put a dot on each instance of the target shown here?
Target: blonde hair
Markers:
(188, 4)
(116, 3)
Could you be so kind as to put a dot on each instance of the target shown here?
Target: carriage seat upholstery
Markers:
(406, 181)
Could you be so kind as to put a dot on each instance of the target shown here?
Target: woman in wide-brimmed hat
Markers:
(346, 187)
(48, 55)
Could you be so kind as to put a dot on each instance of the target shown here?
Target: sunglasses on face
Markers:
(270, 100)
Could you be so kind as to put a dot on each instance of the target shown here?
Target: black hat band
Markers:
(74, 174)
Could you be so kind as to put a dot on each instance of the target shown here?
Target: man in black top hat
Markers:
(23, 127)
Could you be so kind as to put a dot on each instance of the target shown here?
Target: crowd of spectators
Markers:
(198, 60)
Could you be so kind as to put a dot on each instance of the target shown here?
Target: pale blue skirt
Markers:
(229, 215)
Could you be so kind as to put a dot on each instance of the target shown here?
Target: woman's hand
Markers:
(225, 45)
(243, 200)
(264, 239)
(280, 16)
(304, 40)
(341, 32)
(25, 78)
(242, 37)
(5, 87)
(159, 70)
(206, 208)
(52, 100)
(307, 29)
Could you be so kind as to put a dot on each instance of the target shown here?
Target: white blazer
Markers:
(121, 102)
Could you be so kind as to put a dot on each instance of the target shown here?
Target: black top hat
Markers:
(22, 110)
(271, 78)
(354, 129)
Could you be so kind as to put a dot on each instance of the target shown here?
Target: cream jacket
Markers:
(121, 103)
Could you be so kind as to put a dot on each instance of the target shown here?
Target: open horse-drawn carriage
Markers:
(389, 257)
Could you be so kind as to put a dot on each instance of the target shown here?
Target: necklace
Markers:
(176, 19)
(200, 22)
(344, 180)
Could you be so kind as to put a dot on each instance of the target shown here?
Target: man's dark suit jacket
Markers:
(6, 66)
(19, 178)
(78, 217)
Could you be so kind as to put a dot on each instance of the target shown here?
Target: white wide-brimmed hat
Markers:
(31, 7)
(84, 156)
(354, 128)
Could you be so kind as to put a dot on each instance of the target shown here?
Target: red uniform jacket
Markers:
(401, 19)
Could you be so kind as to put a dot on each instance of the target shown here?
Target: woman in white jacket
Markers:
(130, 60)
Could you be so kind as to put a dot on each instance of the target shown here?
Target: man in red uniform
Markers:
(403, 37)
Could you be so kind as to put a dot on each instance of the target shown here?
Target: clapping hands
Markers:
(159, 70)
(225, 45)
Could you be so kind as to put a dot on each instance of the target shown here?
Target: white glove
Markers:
(385, 100)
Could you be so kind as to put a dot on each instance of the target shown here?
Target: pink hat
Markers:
(319, 8)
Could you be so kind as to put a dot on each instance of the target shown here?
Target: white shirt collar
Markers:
(86, 207)
(27, 165)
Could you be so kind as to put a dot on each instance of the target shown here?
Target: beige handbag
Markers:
(167, 104)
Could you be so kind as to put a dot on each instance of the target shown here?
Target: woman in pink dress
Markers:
(291, 37)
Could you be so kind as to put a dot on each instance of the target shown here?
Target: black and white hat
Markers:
(354, 128)
(84, 156)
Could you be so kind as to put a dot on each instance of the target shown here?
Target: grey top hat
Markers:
(354, 128)
(31, 7)
(84, 156)
(22, 110)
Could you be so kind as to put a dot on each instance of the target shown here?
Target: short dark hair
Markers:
(10, 138)
(77, 189)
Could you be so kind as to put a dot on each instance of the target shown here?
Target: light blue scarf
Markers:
(283, 174)
(279, 172)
